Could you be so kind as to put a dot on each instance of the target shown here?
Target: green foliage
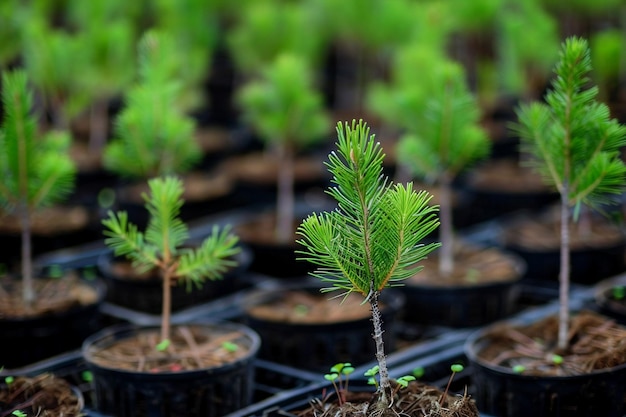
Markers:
(607, 50)
(440, 115)
(373, 239)
(284, 106)
(153, 137)
(161, 245)
(571, 137)
(52, 69)
(266, 29)
(36, 171)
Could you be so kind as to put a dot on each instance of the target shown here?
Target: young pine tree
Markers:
(575, 145)
(36, 171)
(288, 113)
(373, 239)
(161, 245)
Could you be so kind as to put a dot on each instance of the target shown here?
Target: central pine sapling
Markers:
(373, 239)
(36, 171)
(575, 145)
(161, 245)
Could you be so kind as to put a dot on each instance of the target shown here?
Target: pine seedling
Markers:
(152, 136)
(441, 119)
(288, 113)
(373, 239)
(161, 245)
(36, 171)
(575, 145)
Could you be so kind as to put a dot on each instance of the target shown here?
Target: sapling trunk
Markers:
(381, 358)
(98, 124)
(166, 311)
(285, 194)
(564, 274)
(446, 232)
(28, 289)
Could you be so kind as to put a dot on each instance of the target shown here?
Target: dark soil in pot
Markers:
(502, 186)
(42, 396)
(515, 372)
(64, 313)
(304, 328)
(481, 289)
(597, 246)
(416, 400)
(207, 370)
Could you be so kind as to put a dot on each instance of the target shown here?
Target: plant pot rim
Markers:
(121, 331)
(393, 299)
(478, 338)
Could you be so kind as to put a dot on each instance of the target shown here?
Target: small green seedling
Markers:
(19, 413)
(87, 376)
(419, 372)
(9, 380)
(230, 347)
(519, 369)
(339, 384)
(371, 374)
(557, 359)
(456, 368)
(163, 345)
(618, 292)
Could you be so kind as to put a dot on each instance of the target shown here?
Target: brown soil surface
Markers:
(48, 221)
(507, 175)
(262, 230)
(262, 168)
(54, 295)
(42, 396)
(191, 348)
(595, 342)
(198, 186)
(472, 266)
(310, 308)
(544, 232)
(416, 400)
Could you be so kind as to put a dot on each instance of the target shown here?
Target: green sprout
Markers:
(19, 413)
(230, 347)
(455, 368)
(557, 359)
(518, 369)
(403, 381)
(339, 384)
(419, 372)
(618, 292)
(9, 380)
(371, 374)
(163, 345)
(86, 376)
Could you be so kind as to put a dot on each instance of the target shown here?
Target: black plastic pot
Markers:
(146, 294)
(204, 392)
(32, 339)
(316, 347)
(500, 392)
